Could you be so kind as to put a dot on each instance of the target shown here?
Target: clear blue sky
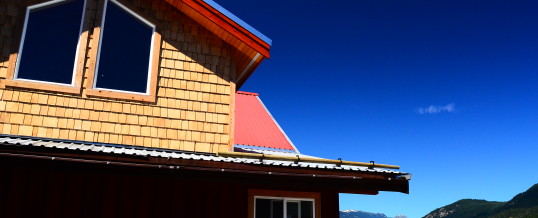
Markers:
(447, 89)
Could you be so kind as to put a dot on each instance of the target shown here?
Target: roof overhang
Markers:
(275, 173)
(252, 47)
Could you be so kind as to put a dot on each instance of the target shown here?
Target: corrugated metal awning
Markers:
(9, 140)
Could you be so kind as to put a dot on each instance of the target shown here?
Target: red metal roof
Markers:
(254, 125)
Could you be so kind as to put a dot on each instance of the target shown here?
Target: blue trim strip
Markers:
(238, 21)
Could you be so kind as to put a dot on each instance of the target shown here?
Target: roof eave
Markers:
(339, 181)
(199, 10)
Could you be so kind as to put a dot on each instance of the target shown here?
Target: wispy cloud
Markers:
(435, 109)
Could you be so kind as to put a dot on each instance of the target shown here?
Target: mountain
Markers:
(362, 214)
(465, 208)
(523, 205)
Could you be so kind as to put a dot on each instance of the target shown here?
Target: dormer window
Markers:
(124, 51)
(49, 42)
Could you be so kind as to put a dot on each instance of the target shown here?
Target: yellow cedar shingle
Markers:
(202, 147)
(55, 133)
(6, 128)
(88, 136)
(78, 125)
(76, 112)
(161, 133)
(80, 135)
(89, 105)
(107, 106)
(16, 118)
(64, 133)
(68, 112)
(25, 97)
(113, 139)
(95, 126)
(41, 99)
(41, 132)
(189, 146)
(50, 121)
(70, 123)
(86, 125)
(25, 130)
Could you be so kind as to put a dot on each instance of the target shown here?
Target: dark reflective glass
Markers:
(307, 209)
(277, 208)
(269, 208)
(292, 209)
(263, 208)
(50, 43)
(125, 52)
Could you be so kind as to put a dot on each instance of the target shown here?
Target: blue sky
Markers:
(446, 89)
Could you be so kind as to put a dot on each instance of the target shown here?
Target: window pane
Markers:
(307, 210)
(125, 51)
(269, 208)
(277, 209)
(292, 209)
(263, 208)
(50, 42)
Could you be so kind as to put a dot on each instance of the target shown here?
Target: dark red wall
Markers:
(46, 188)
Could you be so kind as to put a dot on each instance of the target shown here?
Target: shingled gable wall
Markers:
(192, 110)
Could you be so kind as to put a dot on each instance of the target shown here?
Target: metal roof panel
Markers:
(142, 151)
(254, 125)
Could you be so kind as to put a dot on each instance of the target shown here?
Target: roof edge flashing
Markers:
(247, 93)
(238, 21)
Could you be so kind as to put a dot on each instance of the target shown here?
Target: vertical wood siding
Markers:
(45, 188)
(194, 90)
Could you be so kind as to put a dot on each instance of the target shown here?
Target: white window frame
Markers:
(285, 201)
(21, 46)
(151, 25)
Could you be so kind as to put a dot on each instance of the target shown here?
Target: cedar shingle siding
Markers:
(194, 89)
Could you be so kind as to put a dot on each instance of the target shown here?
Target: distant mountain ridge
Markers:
(523, 205)
(362, 214)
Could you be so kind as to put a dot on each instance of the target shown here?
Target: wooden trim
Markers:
(83, 46)
(119, 95)
(249, 72)
(42, 86)
(283, 194)
(154, 65)
(232, 106)
(92, 56)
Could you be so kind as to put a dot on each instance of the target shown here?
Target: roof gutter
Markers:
(305, 159)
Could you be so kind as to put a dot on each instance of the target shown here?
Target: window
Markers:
(274, 207)
(124, 50)
(283, 204)
(122, 62)
(48, 50)
(127, 55)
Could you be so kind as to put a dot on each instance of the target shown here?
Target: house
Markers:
(131, 108)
